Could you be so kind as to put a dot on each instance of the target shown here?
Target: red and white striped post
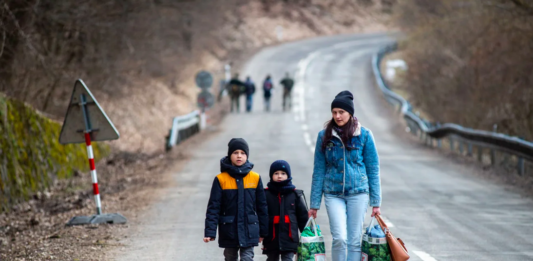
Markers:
(90, 154)
(94, 178)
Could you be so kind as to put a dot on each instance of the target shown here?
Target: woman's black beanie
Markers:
(344, 100)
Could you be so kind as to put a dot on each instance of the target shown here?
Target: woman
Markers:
(346, 171)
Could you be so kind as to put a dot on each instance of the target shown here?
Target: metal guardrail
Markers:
(520, 148)
(184, 127)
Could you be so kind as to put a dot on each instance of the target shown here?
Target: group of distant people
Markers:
(236, 88)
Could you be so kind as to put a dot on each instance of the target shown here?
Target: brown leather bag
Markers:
(396, 245)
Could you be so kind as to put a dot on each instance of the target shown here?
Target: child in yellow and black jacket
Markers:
(237, 205)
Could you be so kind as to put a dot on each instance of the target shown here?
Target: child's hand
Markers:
(261, 240)
(207, 239)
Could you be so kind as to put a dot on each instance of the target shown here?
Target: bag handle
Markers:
(371, 225)
(311, 219)
(381, 223)
(387, 231)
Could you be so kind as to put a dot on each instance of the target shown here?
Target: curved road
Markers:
(439, 209)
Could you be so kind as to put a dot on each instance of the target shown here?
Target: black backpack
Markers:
(299, 194)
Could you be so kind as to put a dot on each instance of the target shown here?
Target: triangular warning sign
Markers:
(84, 114)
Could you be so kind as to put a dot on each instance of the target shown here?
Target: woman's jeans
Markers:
(346, 216)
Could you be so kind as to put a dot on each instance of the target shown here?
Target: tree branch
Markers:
(522, 5)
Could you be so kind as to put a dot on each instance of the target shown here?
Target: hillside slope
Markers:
(139, 58)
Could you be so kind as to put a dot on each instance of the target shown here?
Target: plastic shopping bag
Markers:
(311, 246)
(375, 246)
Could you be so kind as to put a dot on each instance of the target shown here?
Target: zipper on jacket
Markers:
(343, 164)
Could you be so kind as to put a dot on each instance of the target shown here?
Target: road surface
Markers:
(439, 209)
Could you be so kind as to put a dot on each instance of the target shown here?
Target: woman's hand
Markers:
(207, 239)
(312, 212)
(376, 211)
(261, 239)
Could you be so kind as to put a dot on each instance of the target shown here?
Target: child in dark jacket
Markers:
(237, 205)
(287, 212)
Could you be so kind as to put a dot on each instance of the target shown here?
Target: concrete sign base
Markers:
(113, 218)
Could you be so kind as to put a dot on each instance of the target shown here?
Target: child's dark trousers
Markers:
(285, 256)
(232, 254)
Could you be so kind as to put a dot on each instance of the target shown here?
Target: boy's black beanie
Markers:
(280, 165)
(238, 144)
(344, 100)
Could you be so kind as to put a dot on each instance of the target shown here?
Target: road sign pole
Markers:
(75, 130)
(94, 177)
(203, 120)
(90, 153)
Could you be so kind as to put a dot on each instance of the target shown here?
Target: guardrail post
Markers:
(439, 143)
(469, 149)
(461, 147)
(492, 157)
(451, 144)
(480, 154)
(492, 152)
(521, 166)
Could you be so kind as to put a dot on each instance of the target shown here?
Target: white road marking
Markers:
(296, 108)
(304, 127)
(424, 256)
(299, 89)
(307, 139)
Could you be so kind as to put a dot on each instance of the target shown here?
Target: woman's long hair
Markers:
(346, 131)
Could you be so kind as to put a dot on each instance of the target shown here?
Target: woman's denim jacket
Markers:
(346, 172)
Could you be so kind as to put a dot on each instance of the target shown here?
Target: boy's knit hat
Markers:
(344, 100)
(238, 144)
(280, 165)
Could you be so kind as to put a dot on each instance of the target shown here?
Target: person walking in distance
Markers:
(287, 84)
(346, 151)
(250, 90)
(237, 205)
(235, 88)
(267, 91)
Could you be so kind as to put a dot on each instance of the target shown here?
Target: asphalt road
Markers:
(440, 209)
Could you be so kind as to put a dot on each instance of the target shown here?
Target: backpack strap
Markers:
(299, 194)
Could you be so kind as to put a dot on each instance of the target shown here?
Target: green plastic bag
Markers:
(375, 248)
(311, 246)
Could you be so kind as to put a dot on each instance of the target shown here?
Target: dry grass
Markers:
(470, 62)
